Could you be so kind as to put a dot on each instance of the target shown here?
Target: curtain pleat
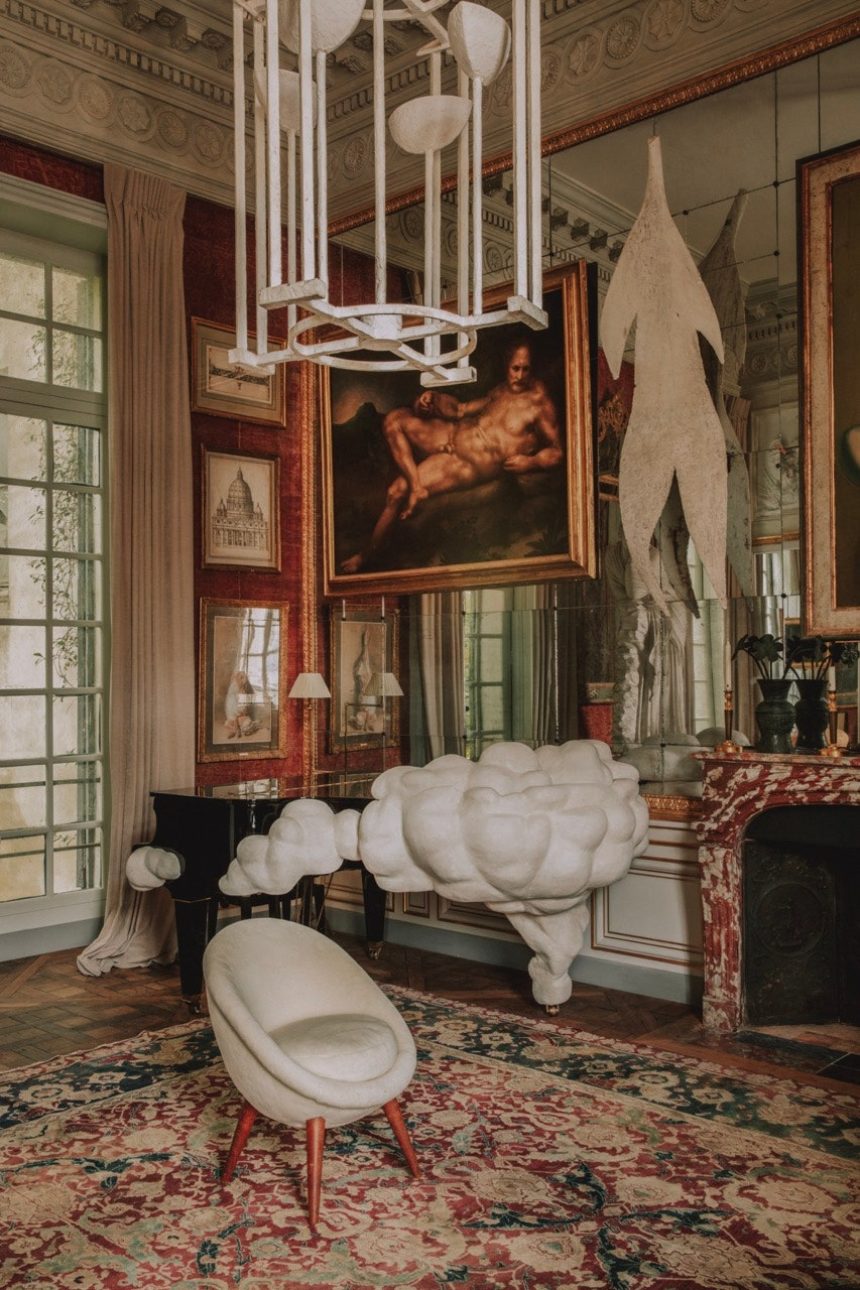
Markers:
(440, 647)
(151, 720)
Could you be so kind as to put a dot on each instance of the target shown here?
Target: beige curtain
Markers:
(534, 680)
(440, 651)
(151, 563)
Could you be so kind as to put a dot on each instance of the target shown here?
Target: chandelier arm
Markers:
(240, 170)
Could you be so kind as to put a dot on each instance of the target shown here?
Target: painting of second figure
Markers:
(487, 482)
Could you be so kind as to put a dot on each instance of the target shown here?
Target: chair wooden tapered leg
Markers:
(401, 1133)
(247, 1116)
(315, 1139)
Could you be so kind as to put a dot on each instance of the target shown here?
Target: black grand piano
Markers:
(204, 826)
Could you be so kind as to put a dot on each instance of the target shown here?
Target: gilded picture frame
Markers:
(503, 505)
(224, 389)
(242, 680)
(363, 646)
(829, 198)
(240, 511)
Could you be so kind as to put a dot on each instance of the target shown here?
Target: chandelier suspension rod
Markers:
(521, 177)
(307, 138)
(534, 152)
(240, 167)
(260, 244)
(463, 219)
(273, 144)
(322, 168)
(381, 244)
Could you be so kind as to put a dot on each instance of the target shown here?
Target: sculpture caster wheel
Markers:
(551, 1009)
(374, 949)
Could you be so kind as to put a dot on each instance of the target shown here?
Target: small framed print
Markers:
(241, 680)
(225, 389)
(241, 511)
(363, 647)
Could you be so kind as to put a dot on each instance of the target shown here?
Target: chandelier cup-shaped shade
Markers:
(332, 22)
(290, 107)
(429, 123)
(480, 41)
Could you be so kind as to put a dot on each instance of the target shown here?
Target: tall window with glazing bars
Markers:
(52, 637)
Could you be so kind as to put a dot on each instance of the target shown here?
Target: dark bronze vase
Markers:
(774, 716)
(811, 714)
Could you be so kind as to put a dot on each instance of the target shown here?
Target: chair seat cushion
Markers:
(346, 1046)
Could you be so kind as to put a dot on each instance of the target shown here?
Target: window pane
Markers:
(23, 350)
(22, 796)
(491, 660)
(491, 624)
(76, 455)
(76, 657)
(77, 860)
(22, 517)
(22, 720)
(77, 792)
(77, 589)
(77, 360)
(22, 447)
(22, 586)
(22, 658)
(77, 521)
(22, 286)
(492, 708)
(23, 875)
(76, 725)
(76, 299)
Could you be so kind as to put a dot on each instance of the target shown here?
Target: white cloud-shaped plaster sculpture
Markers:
(528, 832)
(148, 867)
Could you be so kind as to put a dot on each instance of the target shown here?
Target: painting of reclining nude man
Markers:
(475, 484)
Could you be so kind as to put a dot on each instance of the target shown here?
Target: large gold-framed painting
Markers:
(829, 188)
(479, 484)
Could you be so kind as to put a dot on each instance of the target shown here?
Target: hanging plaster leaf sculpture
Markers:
(674, 430)
(719, 272)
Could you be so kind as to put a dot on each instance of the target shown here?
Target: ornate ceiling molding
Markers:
(148, 84)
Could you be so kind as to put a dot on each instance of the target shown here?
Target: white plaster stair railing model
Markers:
(530, 833)
(148, 867)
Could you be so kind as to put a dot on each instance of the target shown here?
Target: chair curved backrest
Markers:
(305, 1034)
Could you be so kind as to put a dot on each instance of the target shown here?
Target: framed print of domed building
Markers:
(240, 512)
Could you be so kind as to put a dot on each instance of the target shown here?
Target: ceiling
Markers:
(150, 84)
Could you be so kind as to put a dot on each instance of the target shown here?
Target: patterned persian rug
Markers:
(550, 1158)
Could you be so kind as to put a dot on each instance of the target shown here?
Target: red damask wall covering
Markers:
(209, 295)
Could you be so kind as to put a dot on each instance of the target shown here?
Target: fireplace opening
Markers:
(801, 916)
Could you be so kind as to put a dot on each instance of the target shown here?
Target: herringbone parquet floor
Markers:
(48, 1008)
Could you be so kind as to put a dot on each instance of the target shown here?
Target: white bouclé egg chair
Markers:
(306, 1036)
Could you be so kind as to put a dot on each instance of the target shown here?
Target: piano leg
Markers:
(192, 919)
(374, 914)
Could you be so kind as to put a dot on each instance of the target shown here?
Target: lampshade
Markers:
(384, 685)
(309, 685)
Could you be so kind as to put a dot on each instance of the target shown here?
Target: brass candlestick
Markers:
(728, 746)
(832, 749)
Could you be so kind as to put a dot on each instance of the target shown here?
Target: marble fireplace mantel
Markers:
(737, 787)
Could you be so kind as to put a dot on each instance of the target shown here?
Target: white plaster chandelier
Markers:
(290, 152)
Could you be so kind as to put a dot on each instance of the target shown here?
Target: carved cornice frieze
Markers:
(156, 76)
